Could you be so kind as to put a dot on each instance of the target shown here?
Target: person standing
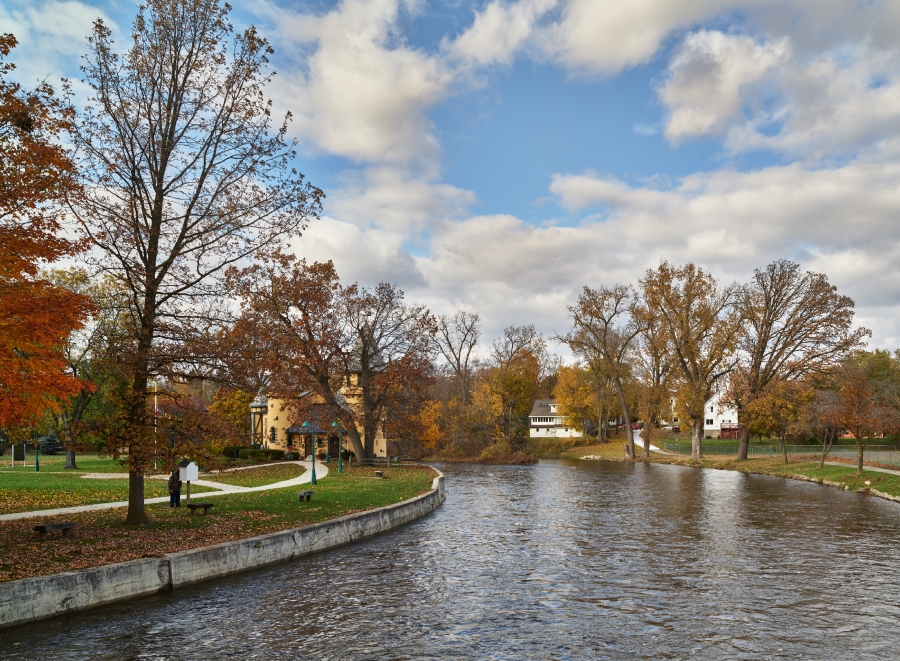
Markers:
(175, 489)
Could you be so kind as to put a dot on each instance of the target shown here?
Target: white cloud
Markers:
(52, 36)
(841, 102)
(498, 31)
(367, 256)
(358, 90)
(606, 37)
(839, 221)
(712, 76)
(768, 96)
(390, 198)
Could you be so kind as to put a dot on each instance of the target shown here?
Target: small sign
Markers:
(188, 471)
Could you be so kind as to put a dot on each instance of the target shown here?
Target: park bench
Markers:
(199, 506)
(45, 528)
(379, 474)
(305, 495)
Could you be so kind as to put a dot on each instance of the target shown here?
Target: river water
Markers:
(563, 560)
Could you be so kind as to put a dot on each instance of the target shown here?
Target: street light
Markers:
(258, 409)
(312, 444)
(340, 445)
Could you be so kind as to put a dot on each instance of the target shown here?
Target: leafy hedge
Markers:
(233, 451)
(260, 455)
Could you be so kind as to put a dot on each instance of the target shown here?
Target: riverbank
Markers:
(41, 597)
(876, 483)
(101, 537)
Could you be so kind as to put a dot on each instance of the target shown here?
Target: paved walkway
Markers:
(653, 448)
(876, 469)
(321, 471)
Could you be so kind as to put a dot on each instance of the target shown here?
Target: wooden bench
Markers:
(379, 474)
(199, 506)
(45, 528)
(307, 495)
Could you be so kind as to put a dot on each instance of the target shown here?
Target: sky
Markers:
(497, 156)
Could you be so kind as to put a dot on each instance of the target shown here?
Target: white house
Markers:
(544, 421)
(717, 416)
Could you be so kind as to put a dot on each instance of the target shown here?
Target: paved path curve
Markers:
(321, 471)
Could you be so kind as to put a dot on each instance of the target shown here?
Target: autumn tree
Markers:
(186, 177)
(92, 356)
(653, 367)
(37, 176)
(702, 325)
(297, 312)
(794, 324)
(366, 352)
(869, 386)
(456, 339)
(821, 418)
(392, 354)
(575, 396)
(232, 406)
(779, 409)
(517, 357)
(602, 330)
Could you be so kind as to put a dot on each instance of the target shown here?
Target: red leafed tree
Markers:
(366, 353)
(36, 317)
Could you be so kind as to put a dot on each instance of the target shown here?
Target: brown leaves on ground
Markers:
(71, 493)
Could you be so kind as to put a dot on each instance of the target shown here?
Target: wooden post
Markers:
(189, 493)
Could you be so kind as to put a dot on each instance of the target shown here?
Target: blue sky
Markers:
(498, 155)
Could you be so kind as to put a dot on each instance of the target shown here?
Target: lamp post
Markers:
(258, 408)
(312, 444)
(340, 445)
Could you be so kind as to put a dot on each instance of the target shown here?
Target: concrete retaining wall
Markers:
(37, 598)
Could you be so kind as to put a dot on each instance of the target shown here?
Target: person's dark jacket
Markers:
(174, 483)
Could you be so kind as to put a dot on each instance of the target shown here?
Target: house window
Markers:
(709, 421)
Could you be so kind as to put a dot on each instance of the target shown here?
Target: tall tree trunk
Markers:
(744, 444)
(629, 432)
(646, 433)
(70, 459)
(137, 421)
(784, 448)
(697, 437)
(859, 455)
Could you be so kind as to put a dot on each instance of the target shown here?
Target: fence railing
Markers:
(876, 454)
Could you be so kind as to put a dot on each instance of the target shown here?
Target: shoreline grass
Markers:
(843, 476)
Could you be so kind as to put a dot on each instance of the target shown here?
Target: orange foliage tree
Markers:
(36, 317)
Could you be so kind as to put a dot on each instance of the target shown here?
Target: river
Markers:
(562, 560)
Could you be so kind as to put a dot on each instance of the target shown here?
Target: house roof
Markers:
(542, 407)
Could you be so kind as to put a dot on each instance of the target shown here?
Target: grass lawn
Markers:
(27, 491)
(257, 477)
(55, 463)
(102, 538)
(843, 475)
